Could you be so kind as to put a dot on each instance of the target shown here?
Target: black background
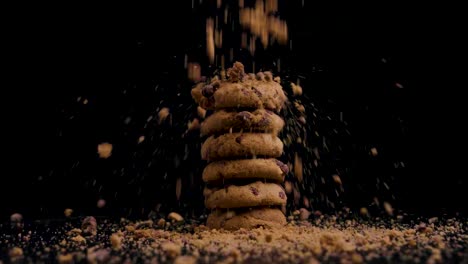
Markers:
(349, 60)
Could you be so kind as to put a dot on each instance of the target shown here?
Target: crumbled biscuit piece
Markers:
(104, 150)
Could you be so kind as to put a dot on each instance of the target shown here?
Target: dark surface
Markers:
(130, 64)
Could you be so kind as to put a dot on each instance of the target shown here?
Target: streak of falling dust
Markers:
(386, 186)
(252, 46)
(376, 201)
(218, 3)
(178, 188)
(298, 167)
(306, 202)
(244, 44)
(290, 44)
(225, 16)
(210, 46)
(241, 3)
(222, 62)
(218, 38)
(288, 187)
(185, 61)
(278, 65)
(193, 4)
(388, 208)
(271, 6)
(297, 195)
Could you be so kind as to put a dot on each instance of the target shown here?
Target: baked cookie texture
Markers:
(264, 169)
(243, 177)
(250, 195)
(241, 90)
(260, 120)
(248, 219)
(241, 145)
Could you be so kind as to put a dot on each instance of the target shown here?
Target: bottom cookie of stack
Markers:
(246, 218)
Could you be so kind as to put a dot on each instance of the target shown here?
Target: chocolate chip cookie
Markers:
(264, 169)
(260, 120)
(246, 218)
(241, 145)
(250, 195)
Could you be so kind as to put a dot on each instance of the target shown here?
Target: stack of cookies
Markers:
(243, 177)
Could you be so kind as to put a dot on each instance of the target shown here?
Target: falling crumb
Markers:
(194, 71)
(210, 45)
(175, 217)
(288, 187)
(302, 120)
(68, 212)
(298, 167)
(141, 139)
(194, 124)
(337, 179)
(299, 107)
(388, 208)
(363, 211)
(101, 203)
(374, 152)
(163, 114)
(104, 150)
(399, 85)
(296, 89)
(178, 188)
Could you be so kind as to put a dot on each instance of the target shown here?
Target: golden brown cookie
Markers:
(248, 219)
(241, 90)
(241, 145)
(250, 195)
(260, 120)
(263, 169)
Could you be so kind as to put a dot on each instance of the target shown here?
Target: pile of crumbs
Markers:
(321, 238)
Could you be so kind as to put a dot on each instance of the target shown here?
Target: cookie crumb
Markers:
(175, 217)
(68, 212)
(163, 114)
(104, 150)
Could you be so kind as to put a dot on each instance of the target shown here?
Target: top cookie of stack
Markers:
(241, 91)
